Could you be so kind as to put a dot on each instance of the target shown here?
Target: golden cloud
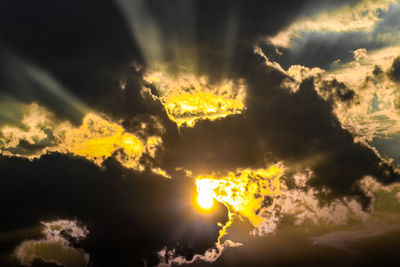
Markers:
(188, 98)
(243, 191)
(96, 139)
(262, 197)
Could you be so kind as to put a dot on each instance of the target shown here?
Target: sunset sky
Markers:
(199, 133)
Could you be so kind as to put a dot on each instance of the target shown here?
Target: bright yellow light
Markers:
(205, 197)
(243, 192)
(188, 98)
(96, 139)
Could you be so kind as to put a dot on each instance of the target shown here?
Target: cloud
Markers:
(344, 239)
(314, 48)
(264, 198)
(383, 218)
(394, 72)
(303, 203)
(129, 214)
(359, 54)
(187, 98)
(55, 245)
(361, 91)
(169, 258)
(39, 132)
(297, 200)
(373, 111)
(244, 192)
(362, 16)
(366, 84)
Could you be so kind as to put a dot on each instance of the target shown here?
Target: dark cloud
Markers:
(88, 47)
(130, 216)
(293, 247)
(394, 72)
(298, 128)
(377, 72)
(322, 48)
(387, 28)
(338, 90)
(314, 49)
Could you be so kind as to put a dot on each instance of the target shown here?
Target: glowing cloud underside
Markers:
(96, 139)
(262, 197)
(187, 98)
(244, 192)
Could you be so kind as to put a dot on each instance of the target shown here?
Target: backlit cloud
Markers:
(187, 98)
(55, 246)
(362, 16)
(97, 138)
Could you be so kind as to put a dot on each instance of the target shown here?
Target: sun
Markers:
(205, 197)
(206, 201)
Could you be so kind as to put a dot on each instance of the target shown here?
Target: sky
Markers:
(199, 133)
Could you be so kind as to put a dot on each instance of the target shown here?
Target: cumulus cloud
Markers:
(359, 54)
(373, 113)
(187, 98)
(264, 198)
(363, 91)
(39, 132)
(362, 16)
(302, 203)
(55, 245)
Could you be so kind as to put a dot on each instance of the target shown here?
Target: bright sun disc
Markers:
(205, 190)
(205, 200)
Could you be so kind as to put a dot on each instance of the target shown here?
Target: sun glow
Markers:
(244, 192)
(188, 98)
(205, 197)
